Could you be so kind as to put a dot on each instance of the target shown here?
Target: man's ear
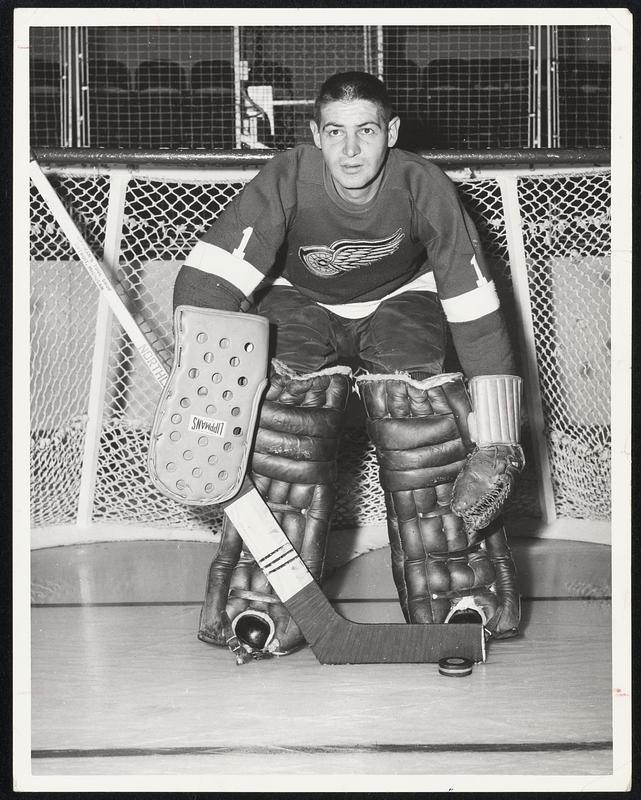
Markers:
(315, 133)
(392, 131)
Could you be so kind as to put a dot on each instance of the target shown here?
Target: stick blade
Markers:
(332, 638)
(336, 640)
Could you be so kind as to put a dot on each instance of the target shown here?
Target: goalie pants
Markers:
(405, 333)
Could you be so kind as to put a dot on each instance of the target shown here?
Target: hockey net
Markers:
(92, 398)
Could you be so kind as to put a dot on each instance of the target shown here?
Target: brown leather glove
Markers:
(485, 483)
(490, 472)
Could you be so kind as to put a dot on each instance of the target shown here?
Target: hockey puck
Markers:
(455, 667)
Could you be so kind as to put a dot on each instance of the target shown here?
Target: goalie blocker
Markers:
(199, 466)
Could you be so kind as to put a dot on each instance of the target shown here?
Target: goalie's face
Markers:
(354, 138)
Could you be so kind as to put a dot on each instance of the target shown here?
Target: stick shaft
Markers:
(97, 272)
(271, 548)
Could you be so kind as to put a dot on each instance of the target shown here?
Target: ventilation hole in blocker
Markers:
(208, 357)
(223, 475)
(196, 472)
(201, 338)
(188, 455)
(223, 344)
(248, 347)
(227, 395)
(212, 460)
(193, 372)
(174, 436)
(202, 391)
(180, 484)
(227, 447)
(209, 487)
(211, 409)
(235, 411)
(176, 419)
(237, 431)
(242, 381)
(171, 467)
(216, 377)
(203, 441)
(185, 402)
(234, 361)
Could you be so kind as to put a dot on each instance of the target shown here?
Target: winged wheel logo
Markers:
(345, 255)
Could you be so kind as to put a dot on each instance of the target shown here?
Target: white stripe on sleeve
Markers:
(471, 305)
(216, 261)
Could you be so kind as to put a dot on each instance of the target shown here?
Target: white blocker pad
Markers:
(204, 423)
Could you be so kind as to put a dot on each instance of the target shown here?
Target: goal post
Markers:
(543, 219)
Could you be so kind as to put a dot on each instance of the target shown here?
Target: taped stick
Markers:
(332, 638)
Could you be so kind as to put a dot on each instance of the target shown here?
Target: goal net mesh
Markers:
(565, 220)
(566, 223)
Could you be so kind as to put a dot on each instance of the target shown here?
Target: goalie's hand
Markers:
(486, 481)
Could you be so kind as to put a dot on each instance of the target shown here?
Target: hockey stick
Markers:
(332, 638)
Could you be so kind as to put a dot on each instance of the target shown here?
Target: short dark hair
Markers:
(353, 86)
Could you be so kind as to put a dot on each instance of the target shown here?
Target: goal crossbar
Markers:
(227, 158)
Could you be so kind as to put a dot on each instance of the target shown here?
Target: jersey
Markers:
(337, 252)
(289, 225)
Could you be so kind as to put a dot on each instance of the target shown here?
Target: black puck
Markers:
(455, 666)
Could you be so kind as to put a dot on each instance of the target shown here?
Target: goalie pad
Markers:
(205, 418)
(422, 440)
(490, 474)
(294, 469)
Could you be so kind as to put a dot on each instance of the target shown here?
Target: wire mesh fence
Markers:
(565, 223)
(462, 87)
(584, 86)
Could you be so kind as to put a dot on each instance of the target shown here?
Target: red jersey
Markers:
(290, 223)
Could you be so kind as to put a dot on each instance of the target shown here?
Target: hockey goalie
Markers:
(358, 257)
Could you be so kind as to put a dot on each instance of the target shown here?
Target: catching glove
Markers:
(491, 470)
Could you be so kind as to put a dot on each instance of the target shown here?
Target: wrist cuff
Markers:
(229, 266)
(496, 404)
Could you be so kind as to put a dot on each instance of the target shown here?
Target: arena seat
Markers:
(444, 83)
(44, 102)
(210, 108)
(404, 84)
(476, 103)
(158, 104)
(110, 98)
(584, 102)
